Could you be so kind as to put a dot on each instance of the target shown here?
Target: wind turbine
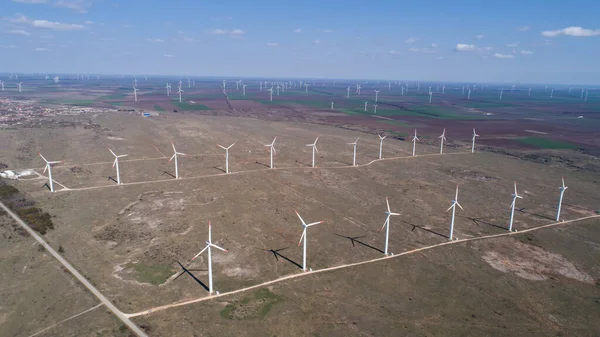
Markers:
(189, 83)
(305, 87)
(563, 188)
(348, 92)
(414, 141)
(304, 237)
(19, 85)
(442, 138)
(386, 225)
(529, 94)
(402, 90)
(116, 165)
(359, 87)
(354, 158)
(453, 208)
(272, 150)
(376, 95)
(473, 141)
(237, 85)
(2, 84)
(430, 96)
(586, 96)
(375, 109)
(226, 156)
(168, 87)
(314, 149)
(469, 95)
(244, 89)
(175, 154)
(582, 92)
(208, 247)
(278, 87)
(381, 145)
(551, 93)
(501, 91)
(270, 94)
(135, 93)
(366, 103)
(56, 79)
(331, 105)
(179, 92)
(49, 168)
(512, 207)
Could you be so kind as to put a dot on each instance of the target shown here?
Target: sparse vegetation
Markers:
(35, 217)
(545, 143)
(186, 106)
(158, 108)
(255, 307)
(154, 274)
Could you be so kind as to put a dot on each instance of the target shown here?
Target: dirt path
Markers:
(289, 277)
(120, 315)
(67, 319)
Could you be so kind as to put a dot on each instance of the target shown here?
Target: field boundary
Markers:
(293, 276)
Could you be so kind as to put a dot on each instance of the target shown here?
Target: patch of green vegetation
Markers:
(399, 134)
(545, 143)
(158, 108)
(154, 274)
(481, 105)
(396, 123)
(254, 307)
(113, 96)
(186, 106)
(7, 191)
(353, 111)
(37, 219)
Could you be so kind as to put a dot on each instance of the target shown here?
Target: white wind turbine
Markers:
(475, 135)
(501, 91)
(376, 95)
(551, 93)
(19, 85)
(386, 225)
(49, 168)
(116, 165)
(304, 237)
(305, 87)
(512, 207)
(189, 83)
(366, 103)
(354, 157)
(168, 87)
(563, 188)
(414, 141)
(179, 92)
(442, 138)
(430, 96)
(402, 90)
(175, 154)
(348, 92)
(272, 150)
(331, 105)
(244, 89)
(270, 94)
(208, 247)
(135, 90)
(2, 84)
(529, 94)
(314, 149)
(375, 109)
(381, 145)
(226, 156)
(237, 85)
(453, 208)
(469, 95)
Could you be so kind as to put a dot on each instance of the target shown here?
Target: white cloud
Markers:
(30, 1)
(272, 44)
(326, 30)
(108, 39)
(44, 24)
(218, 31)
(88, 22)
(10, 46)
(488, 48)
(466, 47)
(298, 30)
(411, 40)
(316, 42)
(41, 49)
(80, 6)
(526, 52)
(394, 52)
(523, 28)
(503, 56)
(168, 55)
(155, 40)
(512, 45)
(421, 50)
(19, 32)
(479, 36)
(572, 31)
(188, 39)
(434, 45)
(233, 33)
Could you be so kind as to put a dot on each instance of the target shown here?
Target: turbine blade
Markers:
(230, 146)
(459, 206)
(298, 214)
(385, 223)
(316, 140)
(388, 205)
(449, 208)
(224, 148)
(314, 223)
(202, 251)
(111, 151)
(302, 237)
(173, 145)
(45, 168)
(42, 157)
(115, 162)
(123, 155)
(316, 150)
(215, 246)
(173, 156)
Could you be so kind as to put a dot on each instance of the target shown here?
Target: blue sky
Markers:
(477, 41)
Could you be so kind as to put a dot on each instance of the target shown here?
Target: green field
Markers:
(544, 143)
(154, 274)
(397, 123)
(82, 102)
(185, 106)
(158, 108)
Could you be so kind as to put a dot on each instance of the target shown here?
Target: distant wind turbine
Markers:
(314, 150)
(512, 207)
(376, 95)
(366, 103)
(386, 225)
(226, 156)
(501, 91)
(563, 188)
(272, 150)
(331, 105)
(180, 91)
(381, 145)
(348, 92)
(2, 84)
(19, 85)
(442, 139)
(244, 89)
(453, 208)
(414, 141)
(135, 90)
(375, 109)
(473, 141)
(354, 157)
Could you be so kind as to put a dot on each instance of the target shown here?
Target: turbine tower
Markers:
(226, 156)
(175, 154)
(272, 150)
(270, 94)
(348, 92)
(366, 103)
(179, 92)
(116, 165)
(303, 239)
(19, 85)
(443, 139)
(314, 149)
(414, 141)
(208, 247)
(469, 95)
(168, 87)
(244, 89)
(135, 93)
(475, 135)
(354, 158)
(381, 145)
(563, 188)
(2, 84)
(376, 95)
(501, 91)
(453, 208)
(331, 105)
(49, 168)
(375, 109)
(386, 225)
(512, 207)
